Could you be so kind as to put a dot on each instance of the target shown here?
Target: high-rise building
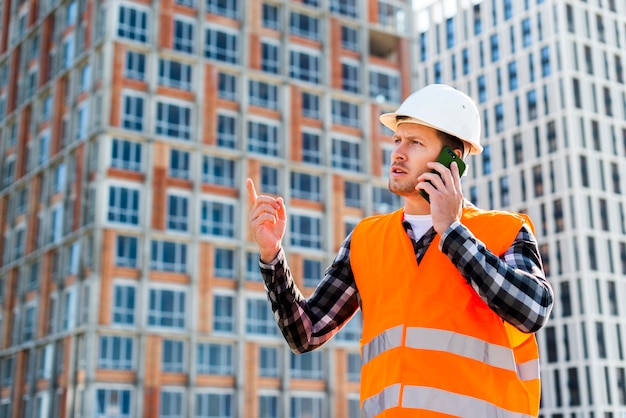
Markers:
(129, 284)
(549, 79)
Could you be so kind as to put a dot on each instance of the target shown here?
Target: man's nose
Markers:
(398, 153)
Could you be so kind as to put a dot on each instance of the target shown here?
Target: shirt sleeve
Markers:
(513, 285)
(306, 324)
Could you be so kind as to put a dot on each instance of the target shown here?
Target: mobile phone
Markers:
(446, 157)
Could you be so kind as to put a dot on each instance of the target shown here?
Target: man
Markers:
(451, 295)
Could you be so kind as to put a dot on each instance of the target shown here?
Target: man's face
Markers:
(415, 145)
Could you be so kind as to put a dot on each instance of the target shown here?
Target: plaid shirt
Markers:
(513, 285)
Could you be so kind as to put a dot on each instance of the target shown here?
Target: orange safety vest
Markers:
(431, 347)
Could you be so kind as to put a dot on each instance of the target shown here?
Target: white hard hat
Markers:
(443, 108)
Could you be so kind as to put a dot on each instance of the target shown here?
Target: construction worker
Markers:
(451, 295)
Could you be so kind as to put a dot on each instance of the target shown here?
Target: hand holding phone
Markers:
(446, 157)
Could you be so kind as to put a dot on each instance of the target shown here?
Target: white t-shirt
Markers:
(419, 223)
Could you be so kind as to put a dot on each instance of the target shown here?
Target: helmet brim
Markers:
(390, 120)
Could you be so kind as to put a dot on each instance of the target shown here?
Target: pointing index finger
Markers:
(252, 196)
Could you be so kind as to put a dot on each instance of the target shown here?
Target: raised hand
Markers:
(267, 221)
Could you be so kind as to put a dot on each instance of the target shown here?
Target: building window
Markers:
(383, 199)
(166, 308)
(304, 25)
(569, 11)
(28, 329)
(210, 405)
(175, 74)
(183, 36)
(312, 273)
(173, 121)
(306, 186)
(423, 47)
(478, 21)
(531, 100)
(304, 67)
(263, 94)
(123, 205)
(526, 36)
(608, 106)
(226, 131)
(268, 362)
(269, 180)
(221, 46)
(306, 406)
(218, 171)
(253, 273)
(225, 263)
(263, 138)
(466, 63)
(270, 58)
(113, 402)
(124, 303)
(271, 16)
(450, 32)
(619, 70)
(132, 116)
(310, 105)
(482, 89)
(350, 39)
(126, 155)
(538, 180)
(344, 7)
(306, 231)
(505, 198)
(499, 117)
(545, 61)
(600, 28)
(259, 318)
(173, 359)
(135, 66)
(354, 367)
(346, 155)
(179, 164)
(223, 313)
(352, 331)
(215, 358)
(187, 3)
(226, 8)
(168, 256)
(227, 86)
(352, 194)
(391, 16)
(384, 85)
(345, 113)
(311, 152)
(177, 213)
(217, 218)
(615, 177)
(268, 406)
(513, 82)
(126, 251)
(308, 365)
(171, 404)
(350, 79)
(115, 352)
(132, 24)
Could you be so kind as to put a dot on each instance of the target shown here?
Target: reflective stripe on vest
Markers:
(388, 398)
(384, 341)
(437, 400)
(454, 343)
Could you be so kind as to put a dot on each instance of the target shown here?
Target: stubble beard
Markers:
(406, 188)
